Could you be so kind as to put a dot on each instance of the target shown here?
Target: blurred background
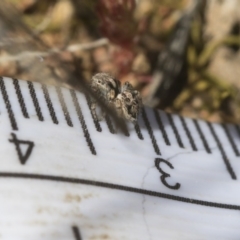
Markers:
(183, 56)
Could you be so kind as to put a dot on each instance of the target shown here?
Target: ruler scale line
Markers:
(138, 131)
(179, 140)
(82, 121)
(49, 104)
(35, 101)
(109, 124)
(95, 120)
(76, 233)
(204, 141)
(150, 132)
(230, 139)
(118, 187)
(237, 129)
(190, 138)
(161, 127)
(64, 106)
(224, 156)
(20, 98)
(8, 105)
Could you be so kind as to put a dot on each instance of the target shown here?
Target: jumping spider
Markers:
(124, 99)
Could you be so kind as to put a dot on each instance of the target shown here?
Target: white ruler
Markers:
(64, 176)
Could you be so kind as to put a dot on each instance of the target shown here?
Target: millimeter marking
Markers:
(82, 121)
(35, 101)
(161, 126)
(109, 124)
(138, 131)
(20, 98)
(204, 141)
(49, 104)
(224, 156)
(76, 233)
(179, 140)
(150, 132)
(190, 138)
(8, 105)
(237, 129)
(64, 106)
(95, 120)
(234, 147)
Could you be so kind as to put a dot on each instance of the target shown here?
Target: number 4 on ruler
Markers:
(23, 157)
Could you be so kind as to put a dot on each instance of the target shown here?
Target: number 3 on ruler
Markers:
(164, 174)
(23, 157)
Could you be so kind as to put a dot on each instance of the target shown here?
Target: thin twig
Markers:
(71, 48)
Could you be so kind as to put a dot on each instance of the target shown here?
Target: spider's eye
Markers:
(128, 100)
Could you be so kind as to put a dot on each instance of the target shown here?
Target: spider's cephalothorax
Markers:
(128, 103)
(106, 86)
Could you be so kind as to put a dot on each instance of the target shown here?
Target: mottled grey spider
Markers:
(124, 99)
